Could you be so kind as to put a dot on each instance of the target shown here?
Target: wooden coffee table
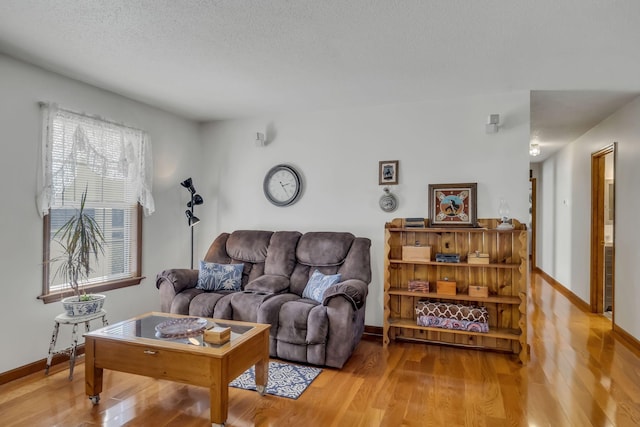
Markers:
(133, 346)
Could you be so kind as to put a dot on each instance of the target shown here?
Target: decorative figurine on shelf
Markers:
(505, 220)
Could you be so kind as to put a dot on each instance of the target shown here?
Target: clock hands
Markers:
(284, 188)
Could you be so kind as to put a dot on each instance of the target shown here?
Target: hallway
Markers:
(595, 379)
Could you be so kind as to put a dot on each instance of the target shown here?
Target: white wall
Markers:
(26, 321)
(338, 152)
(565, 194)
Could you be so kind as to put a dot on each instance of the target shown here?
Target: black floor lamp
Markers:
(196, 199)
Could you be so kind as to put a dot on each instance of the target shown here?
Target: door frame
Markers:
(597, 229)
(534, 210)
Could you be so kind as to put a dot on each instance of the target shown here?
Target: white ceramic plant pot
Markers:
(73, 307)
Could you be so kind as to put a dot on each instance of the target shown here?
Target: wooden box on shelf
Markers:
(446, 287)
(477, 258)
(478, 291)
(418, 286)
(416, 253)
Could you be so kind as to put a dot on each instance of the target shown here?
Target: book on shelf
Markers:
(414, 222)
(447, 257)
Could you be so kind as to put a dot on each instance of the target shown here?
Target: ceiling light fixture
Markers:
(534, 149)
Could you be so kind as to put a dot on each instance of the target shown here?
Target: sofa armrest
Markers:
(179, 278)
(268, 283)
(353, 290)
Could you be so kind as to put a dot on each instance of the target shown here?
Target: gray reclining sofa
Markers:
(277, 267)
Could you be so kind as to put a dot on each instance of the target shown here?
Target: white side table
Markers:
(64, 319)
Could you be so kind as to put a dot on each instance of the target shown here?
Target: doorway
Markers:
(603, 231)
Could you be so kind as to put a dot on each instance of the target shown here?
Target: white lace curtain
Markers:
(107, 149)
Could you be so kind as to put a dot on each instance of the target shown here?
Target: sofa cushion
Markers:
(217, 277)
(303, 327)
(281, 256)
(357, 264)
(180, 304)
(322, 249)
(202, 305)
(245, 305)
(317, 284)
(302, 322)
(249, 245)
(268, 283)
(218, 250)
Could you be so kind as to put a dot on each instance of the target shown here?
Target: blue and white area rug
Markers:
(285, 380)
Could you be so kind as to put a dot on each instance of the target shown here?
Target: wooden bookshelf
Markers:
(504, 275)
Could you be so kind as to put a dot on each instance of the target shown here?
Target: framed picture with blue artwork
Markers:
(388, 172)
(453, 205)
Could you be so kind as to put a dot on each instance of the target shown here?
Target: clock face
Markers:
(282, 185)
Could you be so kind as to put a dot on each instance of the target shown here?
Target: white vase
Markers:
(75, 308)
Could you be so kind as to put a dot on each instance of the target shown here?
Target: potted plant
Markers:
(81, 239)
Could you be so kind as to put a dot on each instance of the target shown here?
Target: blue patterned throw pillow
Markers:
(219, 277)
(318, 283)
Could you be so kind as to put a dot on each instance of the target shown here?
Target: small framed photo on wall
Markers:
(388, 172)
(453, 205)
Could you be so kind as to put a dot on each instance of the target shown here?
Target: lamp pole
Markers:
(191, 227)
(196, 199)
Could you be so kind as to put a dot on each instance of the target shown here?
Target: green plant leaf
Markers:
(81, 239)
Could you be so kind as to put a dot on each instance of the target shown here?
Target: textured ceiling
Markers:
(211, 59)
(559, 117)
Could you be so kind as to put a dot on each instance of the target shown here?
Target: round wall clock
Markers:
(282, 185)
(388, 201)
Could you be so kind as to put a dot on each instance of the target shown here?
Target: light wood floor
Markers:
(578, 376)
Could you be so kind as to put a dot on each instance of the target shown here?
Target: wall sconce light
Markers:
(260, 139)
(196, 199)
(493, 122)
(534, 149)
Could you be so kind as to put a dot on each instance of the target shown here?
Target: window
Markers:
(112, 163)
